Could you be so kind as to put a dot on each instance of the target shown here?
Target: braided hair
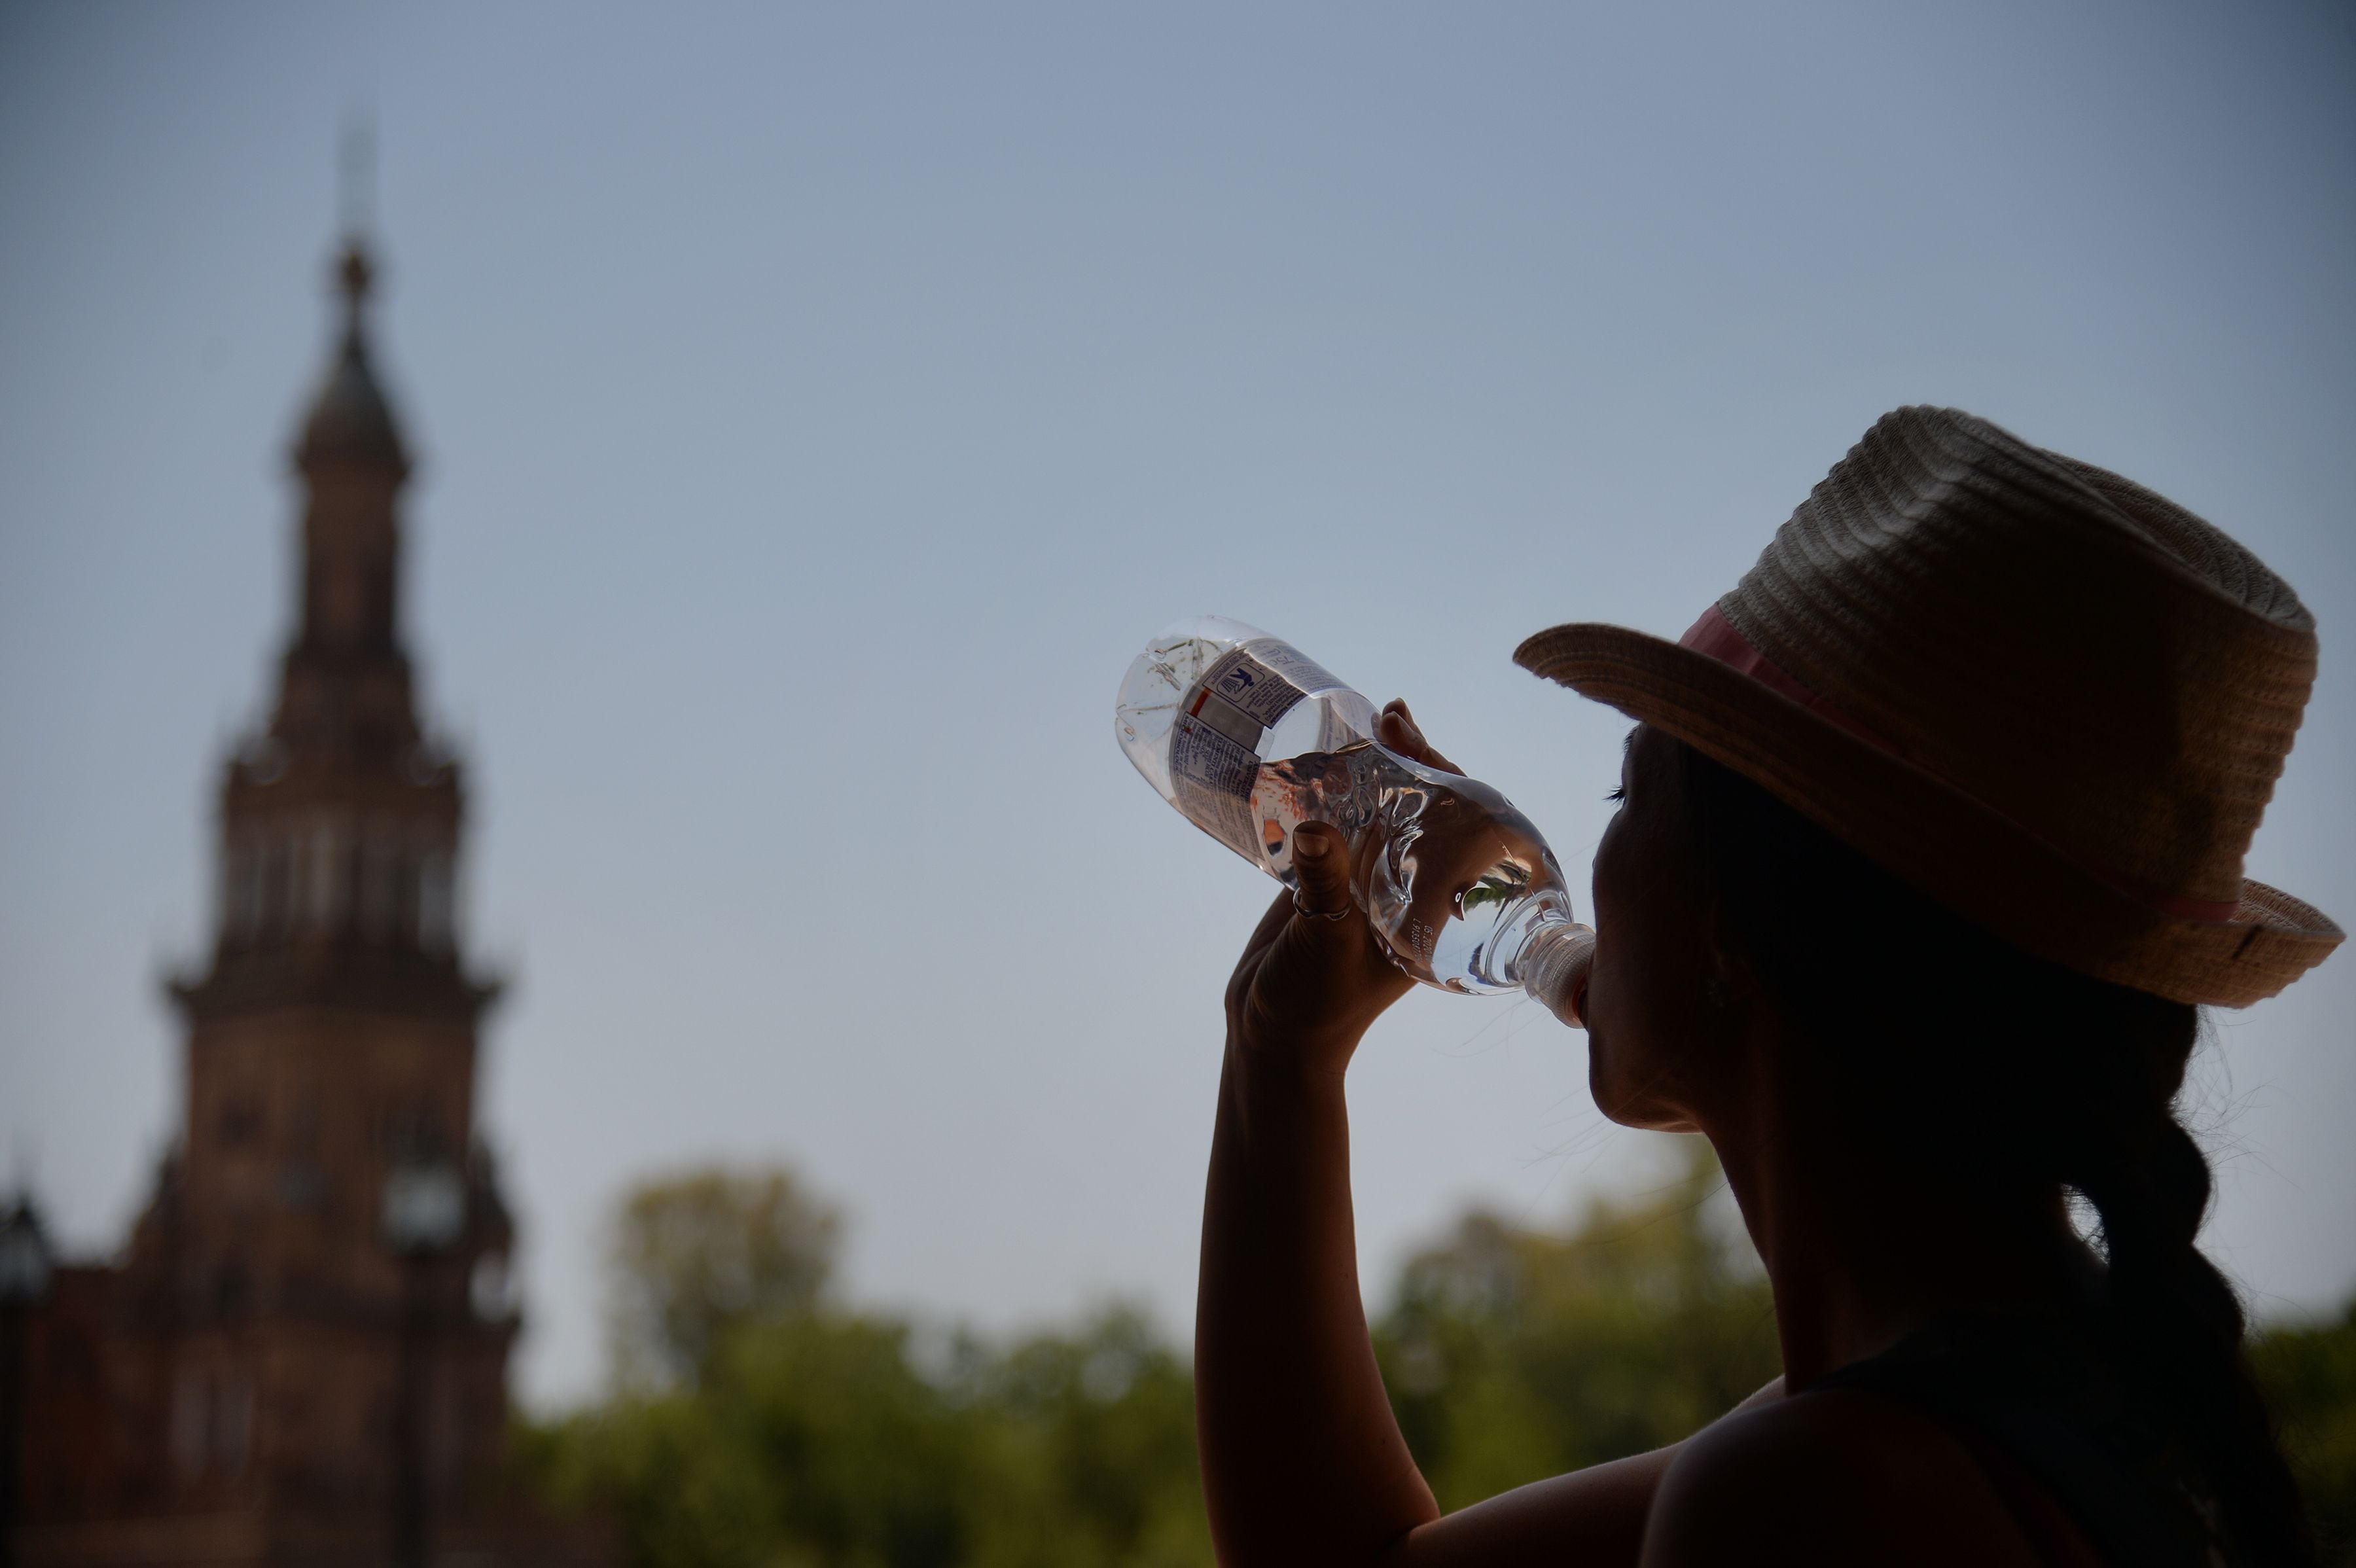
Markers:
(2019, 1076)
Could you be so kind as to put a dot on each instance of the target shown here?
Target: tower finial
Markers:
(353, 275)
(356, 203)
(350, 420)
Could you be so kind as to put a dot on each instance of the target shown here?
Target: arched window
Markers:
(437, 900)
(212, 1423)
(380, 890)
(330, 860)
(240, 891)
(271, 915)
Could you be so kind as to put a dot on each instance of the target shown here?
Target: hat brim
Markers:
(1976, 860)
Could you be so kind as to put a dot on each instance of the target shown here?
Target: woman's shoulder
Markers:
(1834, 1476)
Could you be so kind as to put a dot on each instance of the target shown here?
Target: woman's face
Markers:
(1650, 1027)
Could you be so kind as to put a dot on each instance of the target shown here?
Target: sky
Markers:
(820, 406)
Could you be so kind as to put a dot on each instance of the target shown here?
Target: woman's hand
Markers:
(1314, 975)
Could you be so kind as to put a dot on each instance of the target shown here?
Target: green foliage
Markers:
(697, 1254)
(815, 1440)
(793, 1434)
(1091, 1441)
(2309, 1375)
(1513, 1355)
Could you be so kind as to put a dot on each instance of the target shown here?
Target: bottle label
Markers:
(1212, 773)
(1303, 672)
(1215, 747)
(1261, 681)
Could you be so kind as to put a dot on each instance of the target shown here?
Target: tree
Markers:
(2309, 1371)
(698, 1254)
(817, 1440)
(1513, 1354)
(1089, 1442)
(776, 1428)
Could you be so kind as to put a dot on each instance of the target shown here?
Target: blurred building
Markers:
(301, 1358)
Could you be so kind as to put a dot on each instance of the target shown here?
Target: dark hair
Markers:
(1936, 1021)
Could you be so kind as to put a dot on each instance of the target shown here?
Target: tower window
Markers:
(277, 888)
(436, 901)
(298, 882)
(240, 890)
(330, 860)
(212, 1423)
(240, 1123)
(380, 883)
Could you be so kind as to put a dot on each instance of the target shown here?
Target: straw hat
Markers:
(2041, 693)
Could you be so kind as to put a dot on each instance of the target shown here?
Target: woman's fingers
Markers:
(1311, 841)
(1396, 728)
(1271, 926)
(1313, 975)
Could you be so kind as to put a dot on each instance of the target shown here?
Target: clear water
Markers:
(1455, 879)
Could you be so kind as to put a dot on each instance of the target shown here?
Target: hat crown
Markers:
(2113, 673)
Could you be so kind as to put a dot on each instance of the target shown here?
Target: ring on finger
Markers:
(1300, 908)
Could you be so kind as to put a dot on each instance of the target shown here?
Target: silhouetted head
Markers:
(1933, 841)
(1744, 950)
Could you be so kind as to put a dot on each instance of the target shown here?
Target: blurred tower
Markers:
(302, 1358)
(331, 1048)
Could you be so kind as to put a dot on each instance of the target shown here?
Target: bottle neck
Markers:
(1553, 965)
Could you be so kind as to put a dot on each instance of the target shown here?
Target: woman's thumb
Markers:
(1321, 860)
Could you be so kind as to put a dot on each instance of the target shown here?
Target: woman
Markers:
(1929, 848)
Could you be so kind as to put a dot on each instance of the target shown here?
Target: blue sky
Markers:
(819, 405)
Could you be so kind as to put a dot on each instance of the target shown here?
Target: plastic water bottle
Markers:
(1248, 738)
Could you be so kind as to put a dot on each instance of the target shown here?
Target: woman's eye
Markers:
(1619, 794)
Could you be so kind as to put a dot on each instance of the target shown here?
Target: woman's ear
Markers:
(1735, 975)
(1728, 978)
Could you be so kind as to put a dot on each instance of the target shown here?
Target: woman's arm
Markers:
(1302, 1461)
(1589, 1517)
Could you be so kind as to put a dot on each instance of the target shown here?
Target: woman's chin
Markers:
(1630, 1104)
(1649, 1119)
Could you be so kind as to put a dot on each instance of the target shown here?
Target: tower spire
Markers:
(350, 425)
(340, 820)
(356, 216)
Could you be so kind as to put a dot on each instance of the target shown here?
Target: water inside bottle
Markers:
(1453, 876)
(1249, 738)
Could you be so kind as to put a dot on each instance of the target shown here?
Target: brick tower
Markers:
(302, 1358)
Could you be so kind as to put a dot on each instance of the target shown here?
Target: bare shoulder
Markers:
(1830, 1479)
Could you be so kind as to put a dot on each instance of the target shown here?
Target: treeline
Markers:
(761, 1425)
